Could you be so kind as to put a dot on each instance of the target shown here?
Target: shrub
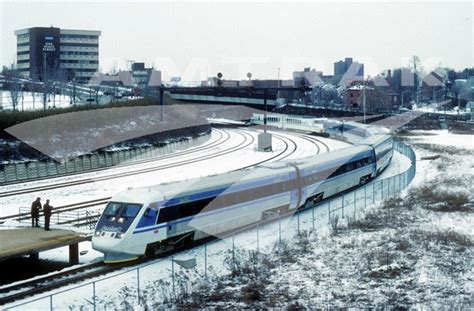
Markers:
(252, 292)
(285, 252)
(445, 237)
(439, 200)
(249, 264)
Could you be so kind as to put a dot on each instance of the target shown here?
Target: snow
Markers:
(444, 138)
(353, 268)
(261, 238)
(33, 101)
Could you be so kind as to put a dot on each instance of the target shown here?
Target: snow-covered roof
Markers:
(359, 87)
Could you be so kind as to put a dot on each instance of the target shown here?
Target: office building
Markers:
(57, 54)
(349, 67)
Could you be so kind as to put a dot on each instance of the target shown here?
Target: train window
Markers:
(131, 210)
(167, 214)
(148, 219)
(112, 209)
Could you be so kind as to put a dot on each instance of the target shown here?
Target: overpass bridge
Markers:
(249, 96)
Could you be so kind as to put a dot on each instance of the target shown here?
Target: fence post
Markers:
(51, 302)
(138, 285)
(93, 296)
(298, 219)
(381, 194)
(329, 212)
(172, 271)
(365, 196)
(355, 202)
(205, 261)
(373, 193)
(312, 212)
(279, 228)
(343, 206)
(388, 188)
(258, 238)
(233, 251)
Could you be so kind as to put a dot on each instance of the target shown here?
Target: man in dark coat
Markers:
(35, 209)
(47, 214)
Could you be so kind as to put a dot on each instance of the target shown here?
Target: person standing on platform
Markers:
(35, 209)
(47, 214)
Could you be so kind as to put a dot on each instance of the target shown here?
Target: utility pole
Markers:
(161, 105)
(417, 101)
(364, 101)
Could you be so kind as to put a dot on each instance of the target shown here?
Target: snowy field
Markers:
(414, 252)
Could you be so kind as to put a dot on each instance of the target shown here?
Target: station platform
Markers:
(32, 241)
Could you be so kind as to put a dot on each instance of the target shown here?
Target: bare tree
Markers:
(12, 76)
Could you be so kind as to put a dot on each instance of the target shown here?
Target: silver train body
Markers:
(159, 218)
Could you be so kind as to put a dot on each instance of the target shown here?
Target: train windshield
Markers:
(112, 209)
(118, 216)
(130, 210)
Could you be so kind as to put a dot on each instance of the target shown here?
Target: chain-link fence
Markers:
(90, 162)
(133, 285)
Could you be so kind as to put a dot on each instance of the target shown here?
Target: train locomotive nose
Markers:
(108, 247)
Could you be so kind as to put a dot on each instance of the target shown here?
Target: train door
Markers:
(374, 162)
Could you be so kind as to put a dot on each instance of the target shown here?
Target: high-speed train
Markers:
(150, 220)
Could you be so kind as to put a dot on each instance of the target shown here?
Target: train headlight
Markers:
(120, 220)
(97, 233)
(112, 219)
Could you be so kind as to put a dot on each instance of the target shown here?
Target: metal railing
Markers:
(96, 294)
(76, 218)
(43, 169)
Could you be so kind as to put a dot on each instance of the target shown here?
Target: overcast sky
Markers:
(198, 39)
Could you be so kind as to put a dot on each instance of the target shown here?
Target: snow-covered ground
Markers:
(113, 291)
(404, 253)
(33, 101)
(408, 253)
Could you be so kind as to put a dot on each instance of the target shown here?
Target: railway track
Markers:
(23, 290)
(11, 293)
(241, 145)
(248, 140)
(27, 289)
(204, 146)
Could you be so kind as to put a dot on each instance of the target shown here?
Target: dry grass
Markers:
(431, 197)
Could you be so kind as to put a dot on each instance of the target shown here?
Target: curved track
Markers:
(247, 140)
(290, 146)
(43, 284)
(243, 144)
